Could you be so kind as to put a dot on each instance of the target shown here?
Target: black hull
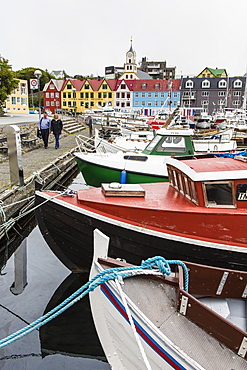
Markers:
(69, 234)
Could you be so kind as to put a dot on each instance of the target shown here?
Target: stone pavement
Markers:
(35, 159)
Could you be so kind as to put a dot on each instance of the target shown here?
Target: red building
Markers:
(52, 95)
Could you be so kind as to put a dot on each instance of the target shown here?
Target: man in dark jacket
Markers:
(90, 125)
(56, 128)
(45, 126)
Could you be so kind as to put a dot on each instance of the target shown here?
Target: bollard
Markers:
(14, 152)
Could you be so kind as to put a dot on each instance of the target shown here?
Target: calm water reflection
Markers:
(67, 342)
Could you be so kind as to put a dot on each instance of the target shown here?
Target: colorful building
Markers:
(52, 95)
(17, 102)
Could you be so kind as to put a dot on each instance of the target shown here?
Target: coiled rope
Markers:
(161, 263)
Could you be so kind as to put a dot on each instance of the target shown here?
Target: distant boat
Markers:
(200, 216)
(153, 321)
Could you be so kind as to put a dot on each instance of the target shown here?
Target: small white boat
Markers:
(152, 321)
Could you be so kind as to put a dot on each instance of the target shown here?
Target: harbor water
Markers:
(67, 342)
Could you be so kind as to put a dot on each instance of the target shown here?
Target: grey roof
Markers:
(143, 75)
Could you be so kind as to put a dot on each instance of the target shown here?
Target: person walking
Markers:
(44, 126)
(56, 128)
(90, 125)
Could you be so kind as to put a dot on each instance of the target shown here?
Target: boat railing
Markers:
(85, 144)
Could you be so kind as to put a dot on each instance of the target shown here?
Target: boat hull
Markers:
(96, 174)
(68, 230)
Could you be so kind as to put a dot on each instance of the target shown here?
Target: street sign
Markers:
(34, 83)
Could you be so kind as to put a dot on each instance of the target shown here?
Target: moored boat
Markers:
(200, 216)
(146, 318)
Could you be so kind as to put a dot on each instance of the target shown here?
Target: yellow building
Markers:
(80, 95)
(212, 72)
(17, 102)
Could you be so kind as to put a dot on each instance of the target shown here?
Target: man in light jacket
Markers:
(44, 126)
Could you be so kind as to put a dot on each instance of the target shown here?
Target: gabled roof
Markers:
(77, 84)
(95, 84)
(217, 72)
(57, 83)
(157, 85)
(128, 83)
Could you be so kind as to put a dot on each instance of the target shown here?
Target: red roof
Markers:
(157, 85)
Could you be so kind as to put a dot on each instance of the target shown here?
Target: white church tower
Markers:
(130, 66)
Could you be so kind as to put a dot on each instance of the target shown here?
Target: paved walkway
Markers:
(36, 159)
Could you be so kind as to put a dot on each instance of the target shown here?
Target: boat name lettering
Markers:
(241, 192)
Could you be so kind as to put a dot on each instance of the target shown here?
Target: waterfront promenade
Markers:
(39, 157)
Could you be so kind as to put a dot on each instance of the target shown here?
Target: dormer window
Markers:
(52, 86)
(222, 83)
(189, 84)
(156, 86)
(205, 84)
(144, 86)
(123, 86)
(237, 84)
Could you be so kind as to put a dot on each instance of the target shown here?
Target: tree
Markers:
(8, 81)
(28, 74)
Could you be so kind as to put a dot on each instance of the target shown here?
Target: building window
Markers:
(156, 104)
(235, 102)
(52, 87)
(86, 95)
(23, 89)
(236, 93)
(136, 103)
(91, 95)
(47, 103)
(23, 101)
(69, 87)
(221, 102)
(237, 83)
(57, 103)
(205, 84)
(104, 95)
(189, 84)
(100, 95)
(64, 103)
(110, 95)
(52, 95)
(136, 95)
(149, 104)
(47, 95)
(122, 95)
(144, 86)
(131, 77)
(128, 104)
(18, 99)
(221, 93)
(156, 86)
(123, 86)
(104, 86)
(128, 95)
(64, 95)
(204, 102)
(143, 95)
(82, 103)
(149, 95)
(162, 95)
(86, 86)
(52, 103)
(13, 100)
(143, 103)
(175, 94)
(82, 95)
(205, 93)
(57, 95)
(127, 77)
(222, 83)
(118, 95)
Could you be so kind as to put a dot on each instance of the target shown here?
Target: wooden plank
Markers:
(115, 189)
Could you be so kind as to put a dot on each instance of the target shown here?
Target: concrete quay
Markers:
(47, 166)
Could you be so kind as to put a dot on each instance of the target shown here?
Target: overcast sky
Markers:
(85, 36)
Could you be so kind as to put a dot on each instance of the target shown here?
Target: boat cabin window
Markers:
(183, 184)
(169, 144)
(219, 194)
(153, 143)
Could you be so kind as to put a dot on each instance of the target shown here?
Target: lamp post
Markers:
(38, 74)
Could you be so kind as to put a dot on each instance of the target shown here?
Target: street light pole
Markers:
(38, 74)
